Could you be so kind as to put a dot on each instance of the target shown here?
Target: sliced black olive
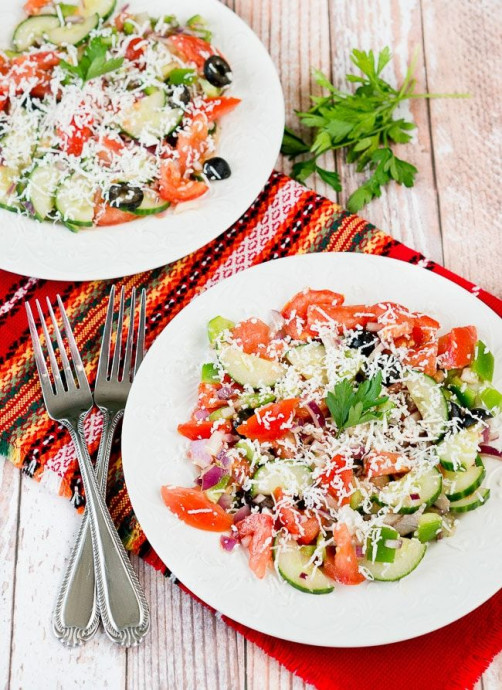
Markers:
(217, 71)
(216, 169)
(124, 196)
(391, 374)
(362, 340)
(242, 416)
(172, 137)
(455, 411)
(179, 96)
(472, 417)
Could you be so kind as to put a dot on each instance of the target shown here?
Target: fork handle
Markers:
(76, 614)
(121, 601)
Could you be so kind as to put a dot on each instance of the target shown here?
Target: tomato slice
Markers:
(423, 357)
(424, 329)
(338, 479)
(192, 142)
(109, 147)
(192, 48)
(338, 317)
(174, 188)
(214, 108)
(303, 528)
(341, 563)
(207, 398)
(135, 49)
(196, 429)
(35, 6)
(45, 59)
(109, 215)
(271, 421)
(73, 140)
(456, 348)
(393, 319)
(193, 507)
(253, 336)
(295, 311)
(258, 526)
(380, 463)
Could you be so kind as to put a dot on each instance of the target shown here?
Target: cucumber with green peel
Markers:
(67, 9)
(484, 362)
(75, 200)
(217, 327)
(152, 203)
(465, 394)
(308, 359)
(150, 117)
(215, 492)
(457, 452)
(425, 488)
(286, 475)
(71, 226)
(478, 498)
(209, 90)
(254, 400)
(103, 8)
(377, 544)
(292, 563)
(221, 413)
(43, 181)
(428, 396)
(429, 526)
(407, 558)
(73, 34)
(209, 373)
(457, 485)
(249, 451)
(8, 195)
(249, 369)
(33, 30)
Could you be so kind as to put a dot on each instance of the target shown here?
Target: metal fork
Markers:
(69, 402)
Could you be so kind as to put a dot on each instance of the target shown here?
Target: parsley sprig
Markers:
(93, 62)
(352, 406)
(364, 123)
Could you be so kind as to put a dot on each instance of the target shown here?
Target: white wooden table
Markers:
(452, 215)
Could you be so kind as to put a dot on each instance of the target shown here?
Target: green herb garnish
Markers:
(352, 406)
(363, 123)
(93, 62)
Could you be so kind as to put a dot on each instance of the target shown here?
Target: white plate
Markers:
(250, 142)
(456, 575)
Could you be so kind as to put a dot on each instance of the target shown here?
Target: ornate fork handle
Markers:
(120, 599)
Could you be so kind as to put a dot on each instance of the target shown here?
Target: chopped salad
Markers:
(337, 441)
(105, 119)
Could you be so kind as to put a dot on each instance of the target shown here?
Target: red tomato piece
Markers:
(135, 49)
(192, 48)
(393, 319)
(303, 528)
(73, 140)
(207, 398)
(338, 317)
(176, 189)
(34, 6)
(380, 463)
(196, 430)
(3, 102)
(214, 108)
(253, 336)
(423, 357)
(456, 348)
(259, 526)
(109, 215)
(193, 507)
(424, 329)
(341, 563)
(338, 479)
(192, 142)
(271, 421)
(45, 59)
(109, 147)
(295, 311)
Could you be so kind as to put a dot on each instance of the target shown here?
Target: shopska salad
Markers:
(338, 441)
(104, 120)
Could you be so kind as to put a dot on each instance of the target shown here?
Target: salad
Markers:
(339, 440)
(105, 119)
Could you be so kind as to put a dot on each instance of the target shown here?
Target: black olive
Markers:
(391, 374)
(242, 416)
(455, 411)
(472, 417)
(179, 95)
(216, 169)
(172, 137)
(362, 340)
(124, 196)
(217, 71)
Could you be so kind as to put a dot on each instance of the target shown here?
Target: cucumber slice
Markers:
(74, 200)
(217, 326)
(429, 525)
(308, 359)
(151, 204)
(397, 494)
(281, 474)
(407, 558)
(73, 34)
(255, 400)
(221, 413)
(428, 396)
(250, 369)
(103, 8)
(250, 452)
(209, 373)
(376, 547)
(476, 499)
(42, 183)
(457, 485)
(292, 562)
(149, 119)
(33, 29)
(464, 394)
(8, 197)
(71, 226)
(458, 452)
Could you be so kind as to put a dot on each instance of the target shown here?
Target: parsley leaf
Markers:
(352, 406)
(363, 123)
(93, 62)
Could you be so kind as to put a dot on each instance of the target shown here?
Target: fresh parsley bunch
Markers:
(363, 123)
(93, 62)
(352, 406)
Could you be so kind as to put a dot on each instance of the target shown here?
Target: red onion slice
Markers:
(198, 454)
(415, 497)
(225, 393)
(359, 551)
(316, 414)
(228, 543)
(242, 513)
(225, 501)
(223, 459)
(490, 450)
(200, 415)
(212, 476)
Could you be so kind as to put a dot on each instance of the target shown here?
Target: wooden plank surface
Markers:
(451, 214)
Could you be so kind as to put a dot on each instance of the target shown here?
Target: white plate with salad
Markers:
(313, 448)
(129, 135)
